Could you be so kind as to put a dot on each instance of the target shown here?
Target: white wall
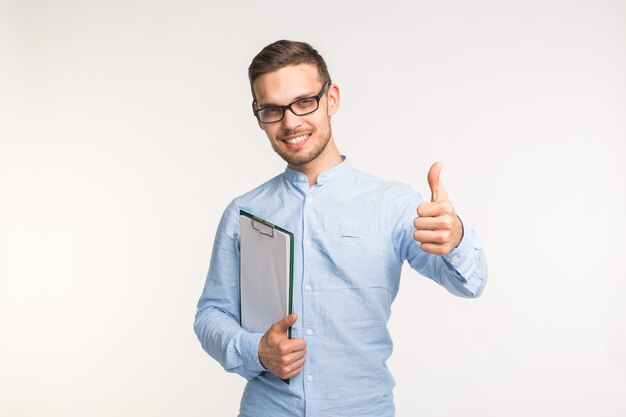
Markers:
(125, 129)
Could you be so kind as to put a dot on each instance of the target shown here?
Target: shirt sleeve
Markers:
(218, 314)
(463, 272)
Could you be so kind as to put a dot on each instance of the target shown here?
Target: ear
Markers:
(333, 99)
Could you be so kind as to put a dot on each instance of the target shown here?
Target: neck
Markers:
(329, 158)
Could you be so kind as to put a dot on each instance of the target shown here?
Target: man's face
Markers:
(297, 139)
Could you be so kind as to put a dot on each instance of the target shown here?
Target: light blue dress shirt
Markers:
(352, 232)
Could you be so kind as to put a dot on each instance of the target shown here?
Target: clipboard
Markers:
(265, 274)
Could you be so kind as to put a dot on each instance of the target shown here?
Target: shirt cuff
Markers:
(462, 257)
(250, 352)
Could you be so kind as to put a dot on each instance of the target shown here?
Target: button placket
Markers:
(306, 300)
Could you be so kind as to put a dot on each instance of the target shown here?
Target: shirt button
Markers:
(455, 258)
(309, 378)
(307, 287)
(307, 243)
(310, 200)
(302, 177)
(309, 331)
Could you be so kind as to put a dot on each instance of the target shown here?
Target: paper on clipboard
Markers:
(266, 273)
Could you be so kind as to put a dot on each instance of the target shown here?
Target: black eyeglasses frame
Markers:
(317, 98)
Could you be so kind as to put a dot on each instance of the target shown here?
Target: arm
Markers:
(463, 271)
(217, 318)
(436, 243)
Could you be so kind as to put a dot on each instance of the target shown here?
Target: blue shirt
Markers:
(352, 233)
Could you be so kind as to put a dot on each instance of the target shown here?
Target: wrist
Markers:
(462, 231)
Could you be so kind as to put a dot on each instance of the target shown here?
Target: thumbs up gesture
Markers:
(438, 228)
(280, 355)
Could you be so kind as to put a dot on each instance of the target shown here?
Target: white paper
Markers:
(264, 275)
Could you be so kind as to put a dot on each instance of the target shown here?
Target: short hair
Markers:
(284, 53)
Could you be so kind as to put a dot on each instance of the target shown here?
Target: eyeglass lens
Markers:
(299, 108)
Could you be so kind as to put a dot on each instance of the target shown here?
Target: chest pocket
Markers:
(348, 223)
(356, 247)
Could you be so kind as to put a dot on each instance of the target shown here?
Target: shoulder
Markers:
(260, 192)
(385, 188)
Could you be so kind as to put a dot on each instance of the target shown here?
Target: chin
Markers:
(298, 160)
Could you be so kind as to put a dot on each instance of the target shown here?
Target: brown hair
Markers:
(284, 53)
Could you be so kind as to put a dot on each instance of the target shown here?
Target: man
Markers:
(352, 232)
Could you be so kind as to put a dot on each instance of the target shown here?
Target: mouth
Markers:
(295, 141)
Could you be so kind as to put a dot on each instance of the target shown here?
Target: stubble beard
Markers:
(301, 158)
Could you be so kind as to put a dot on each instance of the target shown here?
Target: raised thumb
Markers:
(438, 192)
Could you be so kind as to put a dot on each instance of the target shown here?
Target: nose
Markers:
(290, 120)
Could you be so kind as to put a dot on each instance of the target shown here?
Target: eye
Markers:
(305, 103)
(271, 111)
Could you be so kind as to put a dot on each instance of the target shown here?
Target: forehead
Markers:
(287, 84)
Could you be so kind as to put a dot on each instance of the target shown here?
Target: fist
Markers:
(437, 227)
(280, 355)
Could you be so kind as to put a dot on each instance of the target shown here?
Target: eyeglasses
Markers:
(300, 107)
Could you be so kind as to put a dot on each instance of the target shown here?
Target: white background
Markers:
(125, 129)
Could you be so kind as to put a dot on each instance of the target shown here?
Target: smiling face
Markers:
(302, 141)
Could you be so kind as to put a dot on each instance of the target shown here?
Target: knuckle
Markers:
(445, 222)
(283, 349)
(447, 207)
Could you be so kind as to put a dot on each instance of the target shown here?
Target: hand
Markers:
(439, 229)
(280, 355)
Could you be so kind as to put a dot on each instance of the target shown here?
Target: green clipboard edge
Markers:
(291, 249)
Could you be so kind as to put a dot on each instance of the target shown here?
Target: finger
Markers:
(432, 236)
(285, 323)
(292, 358)
(433, 223)
(288, 369)
(292, 373)
(435, 248)
(292, 345)
(438, 192)
(435, 209)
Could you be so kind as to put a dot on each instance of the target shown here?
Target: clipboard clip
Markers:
(266, 223)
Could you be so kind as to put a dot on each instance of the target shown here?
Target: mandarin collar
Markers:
(298, 177)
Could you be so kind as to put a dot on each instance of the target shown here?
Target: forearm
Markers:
(224, 340)
(217, 318)
(463, 272)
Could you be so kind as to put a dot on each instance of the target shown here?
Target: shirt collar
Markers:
(298, 177)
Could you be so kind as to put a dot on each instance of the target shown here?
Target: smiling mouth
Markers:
(297, 139)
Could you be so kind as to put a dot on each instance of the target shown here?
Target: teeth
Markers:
(297, 140)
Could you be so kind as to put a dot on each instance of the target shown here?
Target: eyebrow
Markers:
(300, 97)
